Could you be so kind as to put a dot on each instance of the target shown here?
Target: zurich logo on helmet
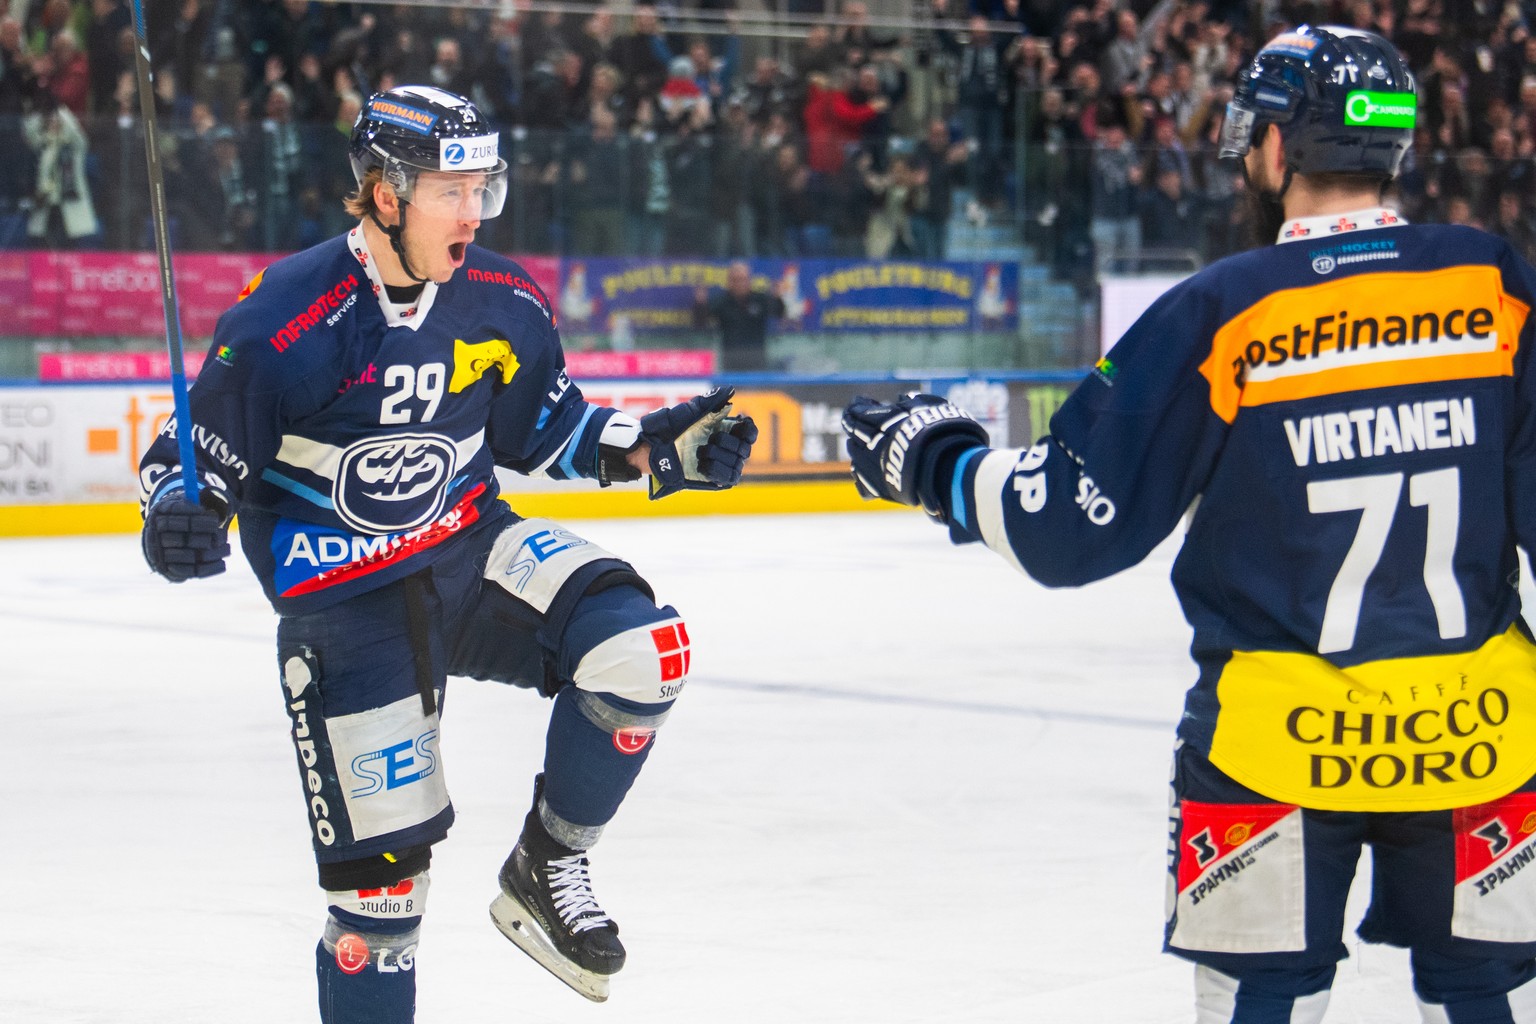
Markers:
(453, 154)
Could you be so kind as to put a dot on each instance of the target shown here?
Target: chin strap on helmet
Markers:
(395, 233)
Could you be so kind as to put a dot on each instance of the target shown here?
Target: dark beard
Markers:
(1266, 215)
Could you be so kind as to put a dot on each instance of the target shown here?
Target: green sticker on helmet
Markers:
(1380, 109)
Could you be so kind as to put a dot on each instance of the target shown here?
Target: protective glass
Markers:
(468, 195)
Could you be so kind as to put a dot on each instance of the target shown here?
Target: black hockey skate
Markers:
(547, 909)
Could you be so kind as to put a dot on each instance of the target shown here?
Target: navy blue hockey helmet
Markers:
(415, 128)
(1343, 98)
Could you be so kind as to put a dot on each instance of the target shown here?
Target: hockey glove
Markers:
(896, 448)
(697, 445)
(184, 541)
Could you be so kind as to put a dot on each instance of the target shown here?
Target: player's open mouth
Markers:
(456, 252)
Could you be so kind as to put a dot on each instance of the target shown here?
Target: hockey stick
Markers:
(183, 411)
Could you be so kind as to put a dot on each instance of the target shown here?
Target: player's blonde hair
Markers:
(361, 204)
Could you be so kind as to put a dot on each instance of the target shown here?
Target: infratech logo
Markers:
(1380, 109)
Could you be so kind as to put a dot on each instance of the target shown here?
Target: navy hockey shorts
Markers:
(1259, 884)
(364, 680)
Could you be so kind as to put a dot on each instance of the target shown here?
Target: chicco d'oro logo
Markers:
(1381, 109)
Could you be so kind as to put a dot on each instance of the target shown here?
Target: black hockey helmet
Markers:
(1343, 98)
(415, 128)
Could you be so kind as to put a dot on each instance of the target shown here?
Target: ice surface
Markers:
(905, 785)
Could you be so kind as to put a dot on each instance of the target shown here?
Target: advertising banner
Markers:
(800, 425)
(156, 365)
(117, 294)
(61, 446)
(80, 444)
(627, 295)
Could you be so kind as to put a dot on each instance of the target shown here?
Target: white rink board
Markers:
(1124, 299)
(904, 785)
(81, 444)
(77, 445)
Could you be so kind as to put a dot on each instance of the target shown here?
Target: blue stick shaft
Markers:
(182, 409)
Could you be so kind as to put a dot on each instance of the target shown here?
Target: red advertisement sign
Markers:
(117, 294)
(156, 365)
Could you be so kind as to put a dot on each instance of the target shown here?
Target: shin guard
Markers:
(365, 963)
(595, 748)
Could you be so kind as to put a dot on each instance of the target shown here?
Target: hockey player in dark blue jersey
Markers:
(1348, 419)
(356, 401)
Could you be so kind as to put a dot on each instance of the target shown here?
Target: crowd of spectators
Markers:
(809, 128)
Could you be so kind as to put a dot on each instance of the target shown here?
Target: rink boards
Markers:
(69, 453)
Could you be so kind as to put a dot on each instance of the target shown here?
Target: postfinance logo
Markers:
(1365, 330)
(1380, 109)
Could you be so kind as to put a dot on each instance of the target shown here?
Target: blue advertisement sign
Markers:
(649, 295)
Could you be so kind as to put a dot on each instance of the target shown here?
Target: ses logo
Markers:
(541, 546)
(393, 483)
(397, 765)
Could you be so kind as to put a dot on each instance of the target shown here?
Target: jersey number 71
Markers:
(1376, 497)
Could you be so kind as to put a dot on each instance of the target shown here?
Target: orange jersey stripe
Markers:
(1362, 332)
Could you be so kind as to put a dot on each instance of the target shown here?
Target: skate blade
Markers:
(518, 925)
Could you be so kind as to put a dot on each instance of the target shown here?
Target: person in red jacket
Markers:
(833, 119)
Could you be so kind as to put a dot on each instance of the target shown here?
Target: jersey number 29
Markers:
(424, 382)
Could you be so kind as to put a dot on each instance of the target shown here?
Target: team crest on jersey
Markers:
(471, 361)
(394, 482)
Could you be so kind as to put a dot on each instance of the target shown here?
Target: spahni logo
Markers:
(1325, 261)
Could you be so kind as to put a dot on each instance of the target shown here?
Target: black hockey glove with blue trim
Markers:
(183, 540)
(697, 445)
(897, 447)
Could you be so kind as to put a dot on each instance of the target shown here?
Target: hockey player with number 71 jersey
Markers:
(1348, 418)
(358, 398)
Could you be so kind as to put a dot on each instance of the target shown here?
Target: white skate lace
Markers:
(570, 888)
